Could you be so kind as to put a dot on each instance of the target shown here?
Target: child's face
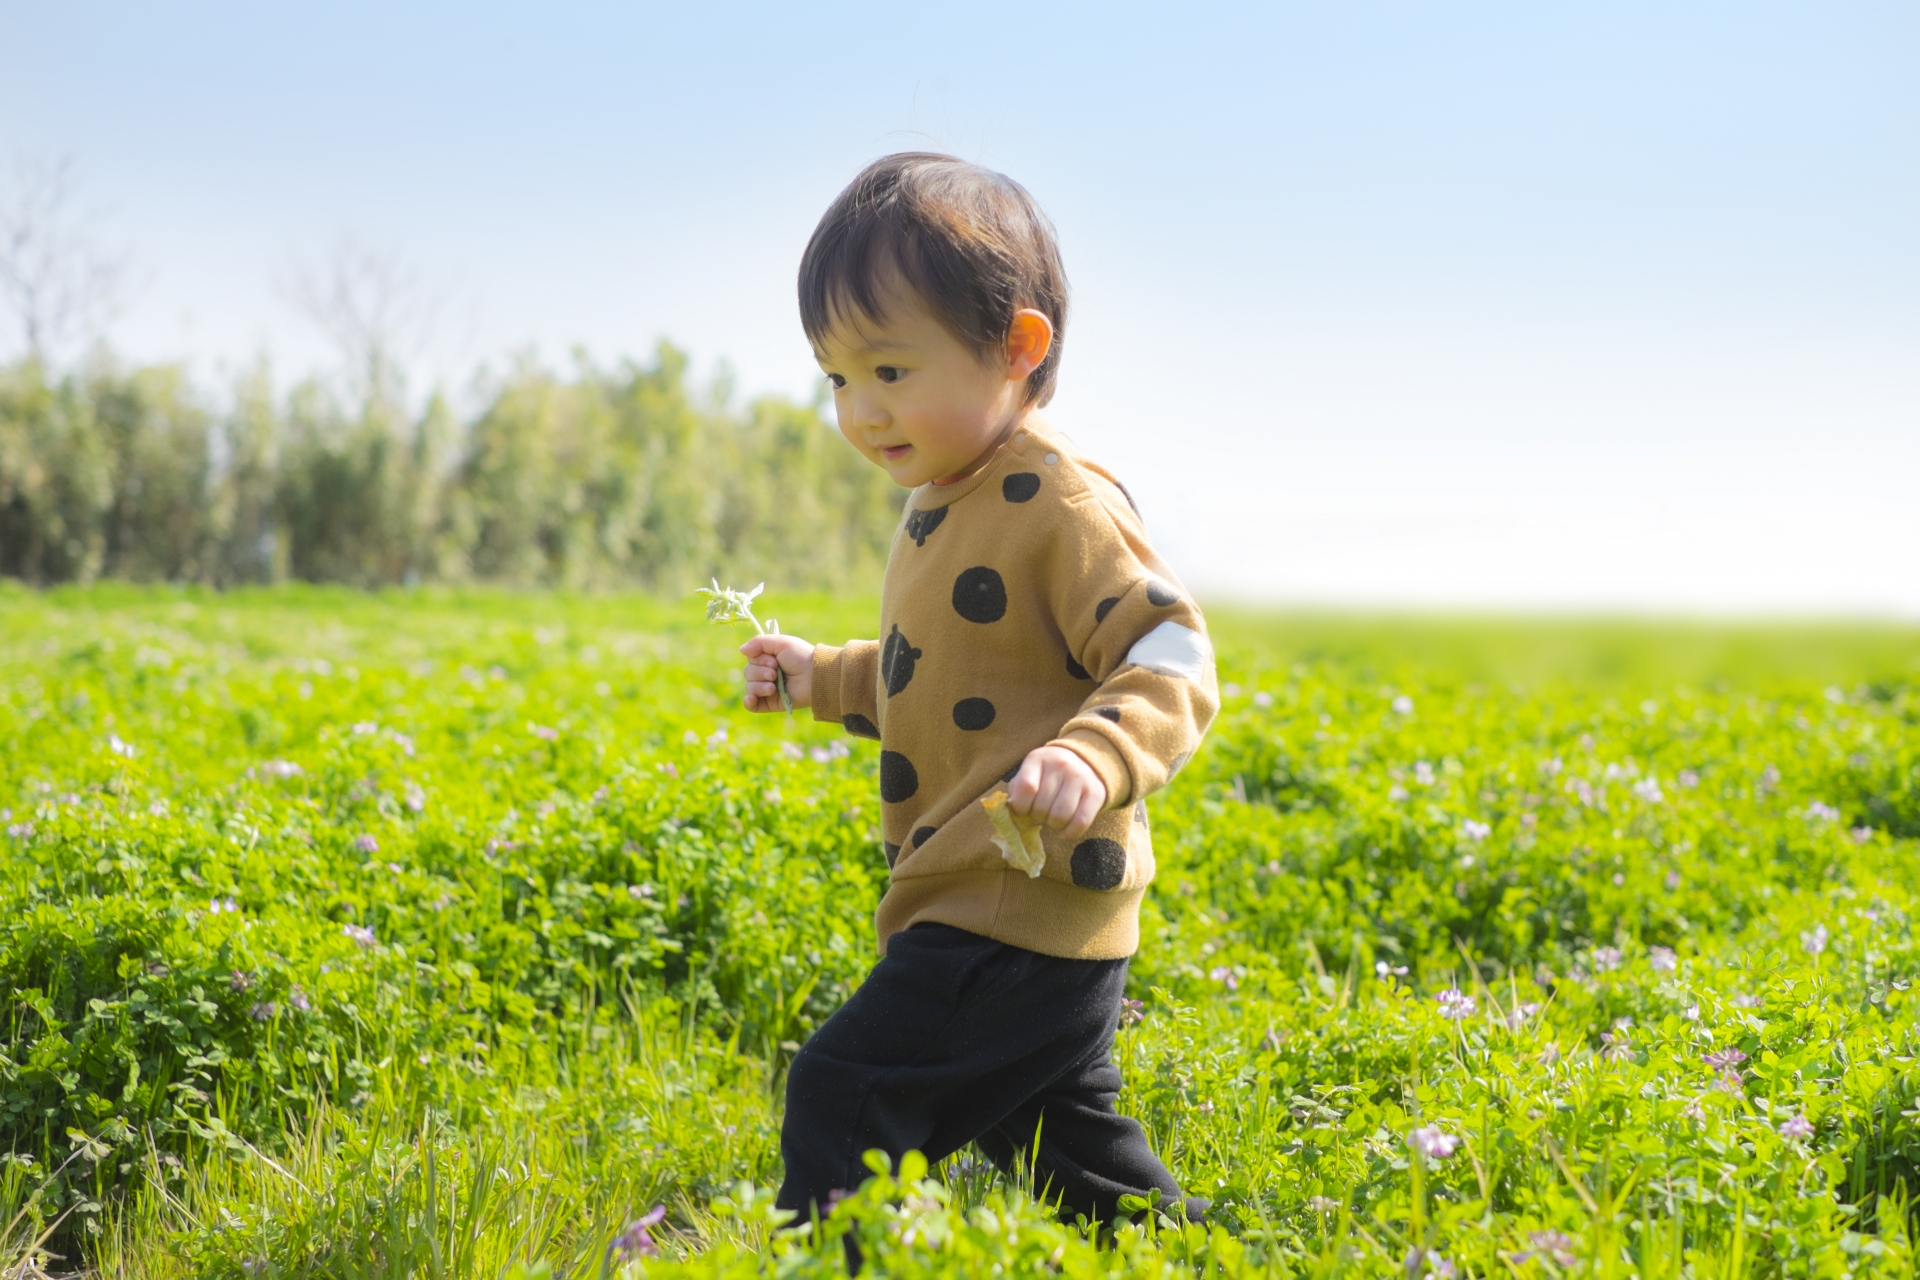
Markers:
(916, 401)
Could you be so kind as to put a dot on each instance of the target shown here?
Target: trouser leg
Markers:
(950, 1035)
(1088, 1154)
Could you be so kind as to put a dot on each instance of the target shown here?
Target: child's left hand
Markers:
(1060, 788)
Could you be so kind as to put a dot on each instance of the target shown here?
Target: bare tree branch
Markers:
(59, 284)
(375, 307)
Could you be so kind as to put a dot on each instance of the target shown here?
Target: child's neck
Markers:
(1026, 418)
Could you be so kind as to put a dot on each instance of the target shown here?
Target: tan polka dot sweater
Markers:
(1023, 606)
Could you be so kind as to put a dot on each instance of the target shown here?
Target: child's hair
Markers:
(970, 242)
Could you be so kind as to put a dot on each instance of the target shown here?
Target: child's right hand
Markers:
(791, 655)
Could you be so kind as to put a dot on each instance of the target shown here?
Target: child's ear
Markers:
(1029, 338)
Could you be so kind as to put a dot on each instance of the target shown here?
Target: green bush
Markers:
(620, 477)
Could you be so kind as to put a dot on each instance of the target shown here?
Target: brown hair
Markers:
(970, 242)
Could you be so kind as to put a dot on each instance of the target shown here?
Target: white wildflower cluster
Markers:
(724, 605)
(1455, 1004)
(1432, 1143)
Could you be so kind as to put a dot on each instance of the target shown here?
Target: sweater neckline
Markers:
(930, 496)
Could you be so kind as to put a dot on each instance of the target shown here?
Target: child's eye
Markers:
(889, 373)
(836, 381)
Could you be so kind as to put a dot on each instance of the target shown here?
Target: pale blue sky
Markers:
(1583, 305)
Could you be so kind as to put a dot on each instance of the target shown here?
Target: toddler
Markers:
(1033, 653)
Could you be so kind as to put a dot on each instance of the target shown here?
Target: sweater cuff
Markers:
(828, 666)
(1105, 760)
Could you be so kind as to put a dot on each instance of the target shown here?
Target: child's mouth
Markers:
(895, 452)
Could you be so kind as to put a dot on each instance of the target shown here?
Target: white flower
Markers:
(1814, 940)
(1262, 699)
(1821, 812)
(1382, 969)
(281, 769)
(1648, 789)
(1518, 1015)
(1432, 1144)
(1423, 773)
(1403, 705)
(718, 737)
(545, 733)
(1476, 830)
(1796, 1129)
(1661, 958)
(360, 933)
(792, 751)
(118, 747)
(1396, 793)
(1226, 978)
(366, 843)
(1606, 958)
(1455, 1004)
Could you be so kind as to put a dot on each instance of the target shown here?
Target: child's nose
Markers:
(869, 412)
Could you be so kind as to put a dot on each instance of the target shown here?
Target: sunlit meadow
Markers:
(469, 934)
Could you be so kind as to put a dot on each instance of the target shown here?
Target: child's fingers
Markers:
(1025, 786)
(1068, 801)
(1084, 813)
(1046, 797)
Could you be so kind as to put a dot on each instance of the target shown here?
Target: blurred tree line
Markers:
(607, 477)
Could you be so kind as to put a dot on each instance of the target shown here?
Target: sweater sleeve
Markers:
(845, 688)
(1137, 634)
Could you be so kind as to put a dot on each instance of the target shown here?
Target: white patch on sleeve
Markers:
(1173, 650)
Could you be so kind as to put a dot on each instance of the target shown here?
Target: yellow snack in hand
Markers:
(1018, 839)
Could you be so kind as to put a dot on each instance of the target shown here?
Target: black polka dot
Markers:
(897, 657)
(923, 834)
(1139, 813)
(1077, 671)
(1099, 863)
(1008, 775)
(1108, 713)
(860, 727)
(893, 852)
(898, 778)
(1159, 593)
(973, 713)
(1020, 486)
(1105, 607)
(979, 595)
(922, 523)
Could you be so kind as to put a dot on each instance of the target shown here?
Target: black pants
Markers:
(955, 1038)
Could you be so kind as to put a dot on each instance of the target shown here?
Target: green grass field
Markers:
(444, 935)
